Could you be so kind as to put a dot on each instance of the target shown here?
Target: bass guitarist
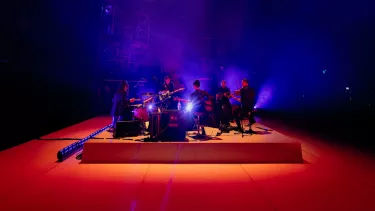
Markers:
(224, 107)
(247, 99)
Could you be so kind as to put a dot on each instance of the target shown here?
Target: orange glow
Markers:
(31, 179)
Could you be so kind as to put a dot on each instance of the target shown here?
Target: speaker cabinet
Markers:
(127, 129)
(172, 126)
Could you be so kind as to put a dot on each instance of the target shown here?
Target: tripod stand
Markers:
(242, 128)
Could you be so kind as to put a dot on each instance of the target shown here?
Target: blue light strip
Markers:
(71, 149)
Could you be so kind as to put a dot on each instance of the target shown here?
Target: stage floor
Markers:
(263, 136)
(334, 179)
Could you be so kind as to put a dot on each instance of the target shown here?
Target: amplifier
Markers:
(172, 126)
(127, 129)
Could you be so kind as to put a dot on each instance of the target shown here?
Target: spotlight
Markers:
(150, 107)
(189, 107)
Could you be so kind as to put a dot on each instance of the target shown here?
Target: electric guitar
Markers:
(166, 94)
(237, 99)
(219, 96)
(233, 95)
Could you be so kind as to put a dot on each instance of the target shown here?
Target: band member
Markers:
(120, 108)
(224, 109)
(247, 100)
(198, 98)
(166, 87)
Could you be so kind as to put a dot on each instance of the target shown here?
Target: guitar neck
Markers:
(176, 91)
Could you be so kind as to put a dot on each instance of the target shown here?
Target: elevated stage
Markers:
(263, 147)
(31, 179)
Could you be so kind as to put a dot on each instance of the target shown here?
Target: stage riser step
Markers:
(95, 152)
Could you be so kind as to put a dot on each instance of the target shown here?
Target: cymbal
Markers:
(148, 100)
(136, 105)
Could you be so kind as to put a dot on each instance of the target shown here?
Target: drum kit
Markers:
(151, 109)
(153, 103)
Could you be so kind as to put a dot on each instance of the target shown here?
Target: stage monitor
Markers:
(127, 129)
(173, 126)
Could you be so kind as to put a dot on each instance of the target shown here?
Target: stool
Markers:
(198, 124)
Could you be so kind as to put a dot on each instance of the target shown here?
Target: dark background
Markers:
(50, 71)
(50, 54)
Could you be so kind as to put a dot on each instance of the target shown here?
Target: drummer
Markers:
(121, 104)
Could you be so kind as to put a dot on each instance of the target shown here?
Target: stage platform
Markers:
(263, 147)
(332, 178)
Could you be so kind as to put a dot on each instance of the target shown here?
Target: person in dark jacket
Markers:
(199, 98)
(121, 104)
(247, 100)
(224, 107)
(166, 87)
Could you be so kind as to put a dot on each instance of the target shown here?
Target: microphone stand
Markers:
(142, 80)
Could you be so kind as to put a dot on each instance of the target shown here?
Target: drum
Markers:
(141, 114)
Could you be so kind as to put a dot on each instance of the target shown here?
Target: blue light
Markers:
(189, 107)
(150, 107)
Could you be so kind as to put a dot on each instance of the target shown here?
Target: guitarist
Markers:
(224, 109)
(120, 107)
(247, 100)
(168, 86)
(198, 98)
